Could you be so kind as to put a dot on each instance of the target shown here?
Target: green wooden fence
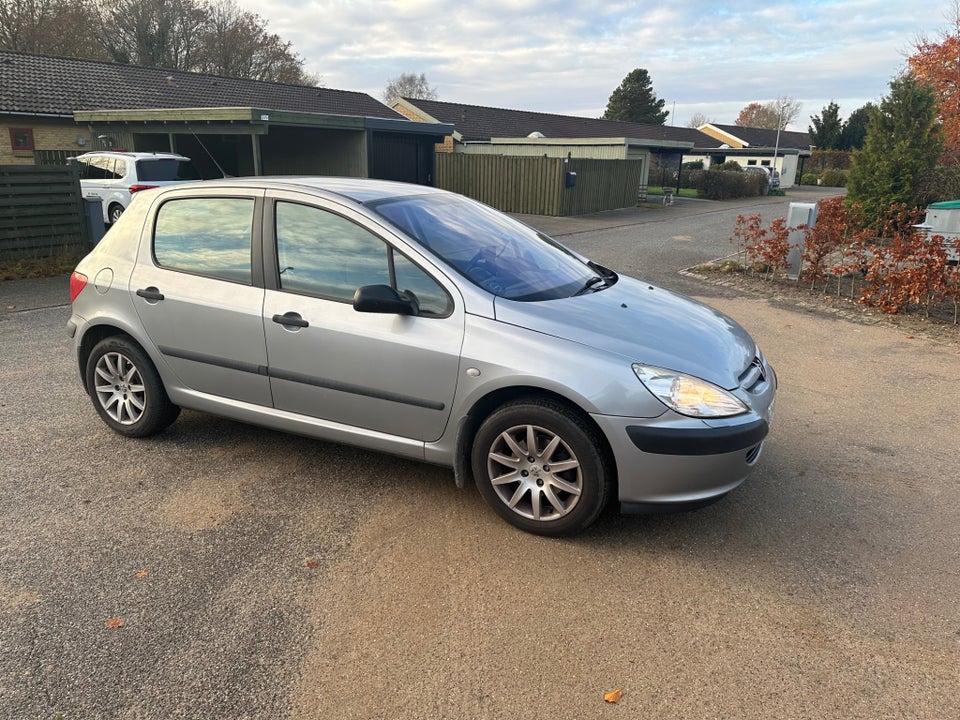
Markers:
(536, 185)
(41, 211)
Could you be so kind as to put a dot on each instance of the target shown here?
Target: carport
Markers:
(261, 141)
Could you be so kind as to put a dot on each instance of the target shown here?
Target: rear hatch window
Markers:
(165, 170)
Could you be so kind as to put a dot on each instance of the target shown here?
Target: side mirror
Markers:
(383, 299)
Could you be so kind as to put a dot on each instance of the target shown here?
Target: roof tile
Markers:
(41, 84)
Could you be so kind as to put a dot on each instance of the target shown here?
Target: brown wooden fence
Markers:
(536, 185)
(41, 211)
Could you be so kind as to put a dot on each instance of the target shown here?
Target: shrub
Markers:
(898, 270)
(809, 178)
(725, 185)
(834, 178)
(821, 160)
(731, 165)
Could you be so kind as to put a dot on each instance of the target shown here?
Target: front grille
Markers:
(753, 375)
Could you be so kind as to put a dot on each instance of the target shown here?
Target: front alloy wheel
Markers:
(541, 467)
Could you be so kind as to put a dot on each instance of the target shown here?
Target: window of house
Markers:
(765, 163)
(21, 139)
(751, 162)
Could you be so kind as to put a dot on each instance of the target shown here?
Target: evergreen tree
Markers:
(903, 142)
(635, 101)
(854, 131)
(827, 128)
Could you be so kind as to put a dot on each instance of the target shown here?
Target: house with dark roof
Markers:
(497, 131)
(51, 107)
(783, 151)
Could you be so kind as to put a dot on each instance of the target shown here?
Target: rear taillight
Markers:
(78, 281)
(138, 188)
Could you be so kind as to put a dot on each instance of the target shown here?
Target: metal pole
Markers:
(776, 148)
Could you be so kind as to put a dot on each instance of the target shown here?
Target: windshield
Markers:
(160, 169)
(491, 249)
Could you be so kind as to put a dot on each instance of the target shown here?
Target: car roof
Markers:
(360, 190)
(135, 155)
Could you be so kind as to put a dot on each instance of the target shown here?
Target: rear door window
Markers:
(205, 236)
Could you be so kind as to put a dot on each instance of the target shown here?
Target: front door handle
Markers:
(291, 319)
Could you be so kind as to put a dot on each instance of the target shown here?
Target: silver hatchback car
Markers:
(414, 321)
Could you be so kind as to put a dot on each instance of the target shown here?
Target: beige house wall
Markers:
(48, 134)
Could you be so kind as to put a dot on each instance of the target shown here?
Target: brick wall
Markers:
(47, 135)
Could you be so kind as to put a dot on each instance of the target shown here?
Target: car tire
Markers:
(114, 212)
(557, 489)
(126, 389)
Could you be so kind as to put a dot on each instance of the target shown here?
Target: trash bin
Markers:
(93, 216)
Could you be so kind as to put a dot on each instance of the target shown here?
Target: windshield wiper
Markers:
(591, 284)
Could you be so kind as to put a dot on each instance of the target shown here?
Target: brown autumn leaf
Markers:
(114, 623)
(142, 574)
(613, 696)
(312, 564)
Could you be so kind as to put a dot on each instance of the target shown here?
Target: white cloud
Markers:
(561, 56)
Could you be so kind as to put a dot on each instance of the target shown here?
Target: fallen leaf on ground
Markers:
(142, 574)
(114, 623)
(613, 696)
(313, 564)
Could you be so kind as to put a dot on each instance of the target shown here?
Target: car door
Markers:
(199, 295)
(93, 180)
(384, 372)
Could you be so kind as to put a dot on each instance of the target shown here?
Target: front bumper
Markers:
(678, 463)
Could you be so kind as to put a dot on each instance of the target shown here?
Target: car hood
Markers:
(643, 323)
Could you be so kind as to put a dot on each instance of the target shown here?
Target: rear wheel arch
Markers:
(91, 338)
(125, 387)
(114, 211)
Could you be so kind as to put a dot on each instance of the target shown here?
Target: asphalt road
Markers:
(224, 571)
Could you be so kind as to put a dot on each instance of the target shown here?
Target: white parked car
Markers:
(773, 176)
(113, 177)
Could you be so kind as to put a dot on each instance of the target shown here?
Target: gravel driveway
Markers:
(223, 571)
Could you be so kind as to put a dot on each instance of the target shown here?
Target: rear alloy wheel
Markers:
(540, 467)
(126, 389)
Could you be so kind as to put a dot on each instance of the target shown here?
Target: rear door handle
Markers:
(291, 319)
(150, 293)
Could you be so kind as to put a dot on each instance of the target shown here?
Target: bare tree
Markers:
(783, 111)
(155, 33)
(49, 27)
(699, 119)
(213, 37)
(236, 43)
(409, 85)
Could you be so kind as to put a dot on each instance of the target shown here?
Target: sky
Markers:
(566, 56)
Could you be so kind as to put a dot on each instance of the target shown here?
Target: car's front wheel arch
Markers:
(538, 400)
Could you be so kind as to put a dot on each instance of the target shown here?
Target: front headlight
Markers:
(689, 395)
